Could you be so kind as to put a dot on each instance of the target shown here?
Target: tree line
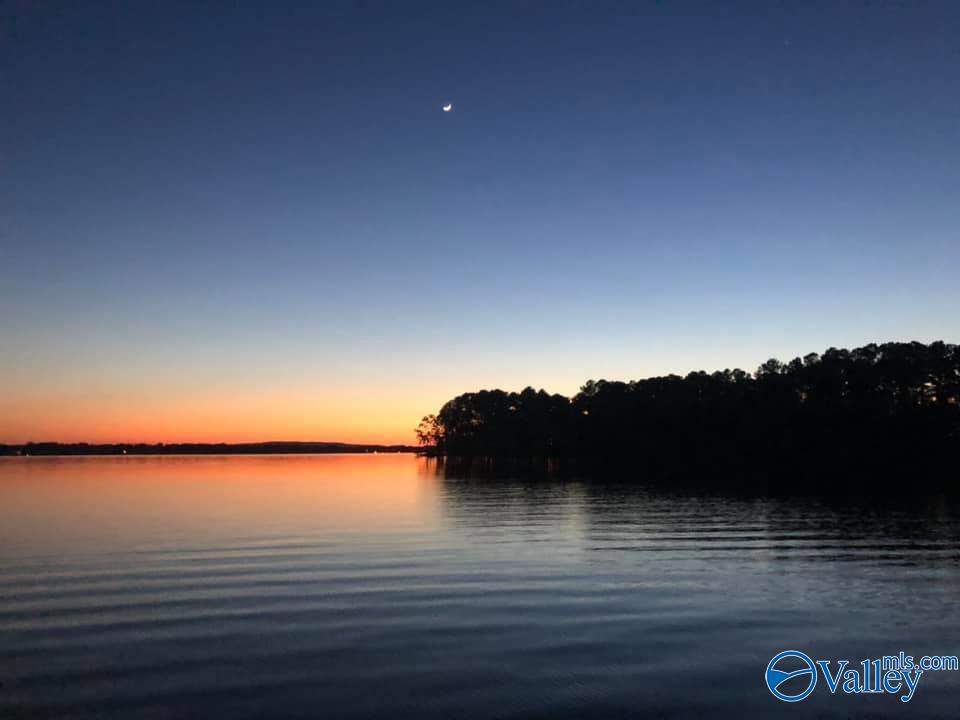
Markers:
(872, 406)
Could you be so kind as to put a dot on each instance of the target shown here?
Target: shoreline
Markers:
(53, 449)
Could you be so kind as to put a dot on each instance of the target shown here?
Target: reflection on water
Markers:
(375, 586)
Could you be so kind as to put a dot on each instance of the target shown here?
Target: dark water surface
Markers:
(374, 586)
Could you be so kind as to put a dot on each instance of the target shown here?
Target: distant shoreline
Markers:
(262, 448)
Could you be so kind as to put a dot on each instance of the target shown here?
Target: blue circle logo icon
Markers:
(788, 665)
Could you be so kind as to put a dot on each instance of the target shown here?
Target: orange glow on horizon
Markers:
(213, 417)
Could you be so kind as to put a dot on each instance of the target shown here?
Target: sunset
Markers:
(264, 227)
(524, 360)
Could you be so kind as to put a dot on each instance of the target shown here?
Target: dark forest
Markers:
(875, 408)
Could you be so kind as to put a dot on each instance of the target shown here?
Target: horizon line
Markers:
(162, 443)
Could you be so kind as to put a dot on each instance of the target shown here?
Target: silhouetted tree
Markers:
(429, 432)
(874, 405)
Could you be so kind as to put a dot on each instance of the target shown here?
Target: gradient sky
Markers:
(251, 221)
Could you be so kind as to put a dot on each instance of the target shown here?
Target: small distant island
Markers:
(892, 407)
(262, 448)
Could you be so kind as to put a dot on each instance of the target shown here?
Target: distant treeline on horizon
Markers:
(877, 406)
(263, 448)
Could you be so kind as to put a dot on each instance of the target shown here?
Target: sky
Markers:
(252, 221)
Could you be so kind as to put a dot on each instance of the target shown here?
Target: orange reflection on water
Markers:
(54, 504)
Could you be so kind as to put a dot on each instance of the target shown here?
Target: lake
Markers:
(385, 586)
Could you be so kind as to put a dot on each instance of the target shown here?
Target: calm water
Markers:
(373, 586)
